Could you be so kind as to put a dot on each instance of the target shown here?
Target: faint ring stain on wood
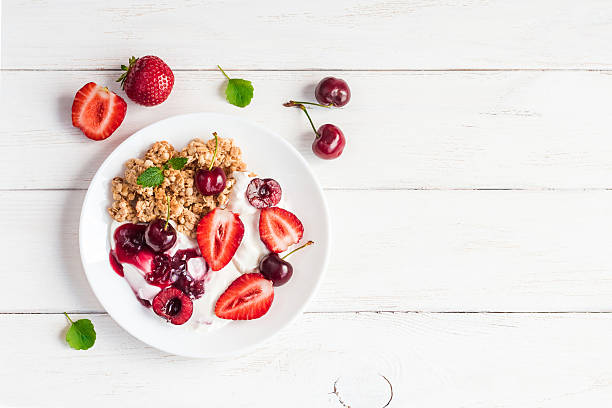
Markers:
(390, 391)
(346, 405)
(335, 392)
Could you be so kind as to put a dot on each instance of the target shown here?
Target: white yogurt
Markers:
(204, 308)
(251, 249)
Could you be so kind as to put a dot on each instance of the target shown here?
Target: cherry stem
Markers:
(296, 103)
(302, 107)
(212, 163)
(223, 72)
(167, 213)
(68, 317)
(297, 249)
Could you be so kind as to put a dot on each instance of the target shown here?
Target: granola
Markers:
(134, 203)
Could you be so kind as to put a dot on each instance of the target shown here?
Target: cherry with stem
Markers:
(329, 140)
(211, 181)
(333, 91)
(276, 269)
(160, 235)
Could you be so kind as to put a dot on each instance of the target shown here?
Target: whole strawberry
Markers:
(147, 81)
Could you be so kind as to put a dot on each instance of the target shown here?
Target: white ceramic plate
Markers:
(266, 154)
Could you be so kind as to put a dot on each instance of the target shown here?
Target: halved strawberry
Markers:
(97, 111)
(219, 234)
(279, 229)
(248, 297)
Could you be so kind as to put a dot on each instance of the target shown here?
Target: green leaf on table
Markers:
(239, 92)
(151, 177)
(177, 163)
(81, 334)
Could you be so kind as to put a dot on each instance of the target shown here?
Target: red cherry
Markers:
(333, 91)
(263, 193)
(329, 142)
(276, 269)
(173, 305)
(160, 235)
(211, 181)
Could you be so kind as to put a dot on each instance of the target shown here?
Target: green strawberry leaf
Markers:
(151, 177)
(177, 163)
(81, 334)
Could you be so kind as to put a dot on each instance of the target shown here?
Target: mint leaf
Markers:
(81, 334)
(239, 92)
(177, 163)
(154, 176)
(151, 177)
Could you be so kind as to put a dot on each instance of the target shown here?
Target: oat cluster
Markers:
(134, 203)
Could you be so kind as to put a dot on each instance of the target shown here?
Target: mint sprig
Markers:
(81, 334)
(239, 92)
(151, 177)
(177, 163)
(154, 176)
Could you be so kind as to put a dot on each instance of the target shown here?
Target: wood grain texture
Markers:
(538, 125)
(451, 130)
(381, 34)
(432, 360)
(393, 250)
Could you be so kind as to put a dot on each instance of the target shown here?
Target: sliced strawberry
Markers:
(279, 229)
(219, 234)
(248, 297)
(97, 111)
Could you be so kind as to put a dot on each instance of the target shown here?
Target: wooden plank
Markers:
(392, 250)
(476, 360)
(404, 130)
(344, 34)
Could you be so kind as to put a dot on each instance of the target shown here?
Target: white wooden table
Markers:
(472, 210)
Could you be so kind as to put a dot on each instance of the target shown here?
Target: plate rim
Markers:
(326, 220)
